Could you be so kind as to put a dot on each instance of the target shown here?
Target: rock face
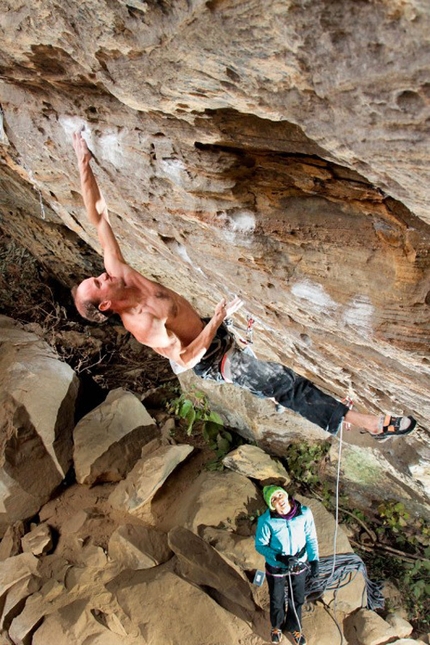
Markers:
(37, 397)
(280, 154)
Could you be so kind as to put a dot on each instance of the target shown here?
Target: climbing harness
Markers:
(295, 567)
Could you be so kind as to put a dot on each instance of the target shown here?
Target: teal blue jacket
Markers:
(276, 535)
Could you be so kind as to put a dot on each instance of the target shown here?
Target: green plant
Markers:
(357, 513)
(303, 461)
(417, 576)
(394, 516)
(193, 408)
(413, 580)
(396, 528)
(404, 528)
(220, 441)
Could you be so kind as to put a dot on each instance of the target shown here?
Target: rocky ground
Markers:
(106, 358)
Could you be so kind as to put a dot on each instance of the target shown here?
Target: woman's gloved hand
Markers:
(285, 559)
(315, 568)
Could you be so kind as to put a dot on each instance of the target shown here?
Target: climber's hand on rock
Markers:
(83, 153)
(233, 306)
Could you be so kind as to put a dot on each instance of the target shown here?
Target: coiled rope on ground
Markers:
(338, 571)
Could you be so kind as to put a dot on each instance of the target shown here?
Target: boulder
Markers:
(219, 499)
(38, 541)
(109, 440)
(83, 591)
(62, 629)
(16, 596)
(367, 628)
(371, 473)
(37, 399)
(74, 523)
(399, 624)
(147, 476)
(15, 569)
(320, 624)
(394, 598)
(239, 549)
(203, 565)
(93, 620)
(138, 547)
(11, 541)
(176, 612)
(91, 568)
(253, 462)
(36, 607)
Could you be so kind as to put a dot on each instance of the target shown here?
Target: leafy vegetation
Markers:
(397, 520)
(411, 534)
(304, 460)
(193, 409)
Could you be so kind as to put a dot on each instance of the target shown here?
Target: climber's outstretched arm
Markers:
(96, 206)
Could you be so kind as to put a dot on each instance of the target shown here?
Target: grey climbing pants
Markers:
(271, 380)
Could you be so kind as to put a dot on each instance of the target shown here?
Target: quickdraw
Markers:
(248, 329)
(349, 404)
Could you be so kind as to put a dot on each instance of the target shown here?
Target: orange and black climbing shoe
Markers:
(395, 427)
(298, 638)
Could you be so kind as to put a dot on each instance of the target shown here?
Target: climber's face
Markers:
(100, 289)
(280, 503)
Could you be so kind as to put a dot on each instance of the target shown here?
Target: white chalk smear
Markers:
(360, 314)
(175, 170)
(314, 295)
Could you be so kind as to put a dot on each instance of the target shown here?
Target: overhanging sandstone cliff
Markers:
(277, 150)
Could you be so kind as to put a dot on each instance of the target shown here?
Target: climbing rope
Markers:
(349, 403)
(332, 577)
(337, 571)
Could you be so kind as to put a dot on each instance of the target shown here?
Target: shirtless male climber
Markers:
(163, 320)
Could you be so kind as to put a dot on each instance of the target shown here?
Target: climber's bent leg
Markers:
(273, 380)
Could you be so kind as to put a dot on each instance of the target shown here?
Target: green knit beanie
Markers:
(269, 491)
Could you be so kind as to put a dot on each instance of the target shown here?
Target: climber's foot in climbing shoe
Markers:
(394, 427)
